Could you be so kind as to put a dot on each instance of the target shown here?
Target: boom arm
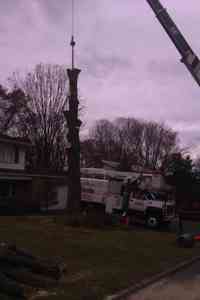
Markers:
(188, 57)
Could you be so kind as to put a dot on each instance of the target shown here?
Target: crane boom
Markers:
(188, 57)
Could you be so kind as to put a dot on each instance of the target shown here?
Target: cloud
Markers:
(129, 65)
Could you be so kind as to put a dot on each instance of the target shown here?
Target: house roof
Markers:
(112, 164)
(14, 140)
(6, 174)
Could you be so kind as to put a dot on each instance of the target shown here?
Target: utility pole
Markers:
(73, 123)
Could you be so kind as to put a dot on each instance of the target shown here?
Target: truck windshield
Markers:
(150, 196)
(159, 196)
(153, 196)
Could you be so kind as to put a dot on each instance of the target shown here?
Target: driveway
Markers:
(181, 286)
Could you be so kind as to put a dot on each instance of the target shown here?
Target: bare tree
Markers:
(35, 110)
(132, 142)
(159, 142)
(3, 104)
(103, 136)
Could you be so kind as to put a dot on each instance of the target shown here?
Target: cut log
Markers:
(20, 251)
(56, 263)
(35, 264)
(24, 276)
(10, 287)
(5, 296)
(22, 273)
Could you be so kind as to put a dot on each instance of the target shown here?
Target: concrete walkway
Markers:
(181, 286)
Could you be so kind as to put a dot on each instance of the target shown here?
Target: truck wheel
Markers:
(152, 222)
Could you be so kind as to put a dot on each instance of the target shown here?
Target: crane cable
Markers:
(72, 38)
(72, 17)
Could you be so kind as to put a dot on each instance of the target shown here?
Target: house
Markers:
(12, 152)
(21, 190)
(14, 182)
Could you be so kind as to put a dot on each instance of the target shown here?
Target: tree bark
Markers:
(74, 184)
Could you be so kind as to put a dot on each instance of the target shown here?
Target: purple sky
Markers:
(129, 66)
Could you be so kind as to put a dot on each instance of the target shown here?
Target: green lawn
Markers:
(98, 262)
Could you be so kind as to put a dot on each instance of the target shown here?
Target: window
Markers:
(7, 154)
(6, 190)
(160, 196)
(16, 155)
(149, 196)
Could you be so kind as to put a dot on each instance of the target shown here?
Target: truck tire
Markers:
(152, 222)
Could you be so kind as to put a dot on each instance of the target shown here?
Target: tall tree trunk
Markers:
(74, 184)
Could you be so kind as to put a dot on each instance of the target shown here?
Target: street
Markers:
(184, 285)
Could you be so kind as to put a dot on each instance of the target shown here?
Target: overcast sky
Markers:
(130, 68)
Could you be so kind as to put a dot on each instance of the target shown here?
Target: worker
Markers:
(126, 191)
(180, 224)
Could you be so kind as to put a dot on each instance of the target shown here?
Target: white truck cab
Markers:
(151, 207)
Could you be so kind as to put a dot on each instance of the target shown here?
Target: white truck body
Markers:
(94, 190)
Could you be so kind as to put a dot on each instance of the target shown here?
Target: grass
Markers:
(99, 262)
